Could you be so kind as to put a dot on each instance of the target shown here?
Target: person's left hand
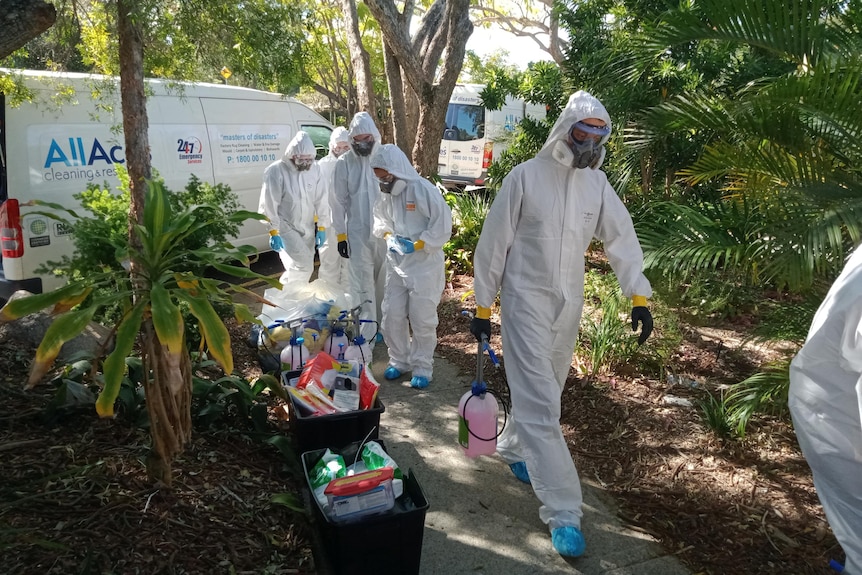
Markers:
(641, 315)
(319, 238)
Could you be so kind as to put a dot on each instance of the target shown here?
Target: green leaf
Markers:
(289, 500)
(63, 329)
(115, 364)
(213, 330)
(167, 319)
(24, 306)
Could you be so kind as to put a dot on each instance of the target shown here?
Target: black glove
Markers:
(343, 249)
(641, 315)
(480, 327)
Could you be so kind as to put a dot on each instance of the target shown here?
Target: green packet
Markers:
(330, 466)
(375, 457)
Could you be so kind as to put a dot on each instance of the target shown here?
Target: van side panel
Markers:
(243, 145)
(56, 148)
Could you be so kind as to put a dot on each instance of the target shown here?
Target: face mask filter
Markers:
(586, 154)
(362, 147)
(302, 164)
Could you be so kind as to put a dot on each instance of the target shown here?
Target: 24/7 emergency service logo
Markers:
(190, 151)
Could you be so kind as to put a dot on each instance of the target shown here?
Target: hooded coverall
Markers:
(825, 403)
(291, 198)
(333, 268)
(356, 189)
(414, 281)
(532, 249)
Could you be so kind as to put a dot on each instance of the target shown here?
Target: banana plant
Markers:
(151, 314)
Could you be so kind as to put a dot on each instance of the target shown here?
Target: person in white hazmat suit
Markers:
(825, 402)
(531, 248)
(415, 221)
(333, 268)
(356, 189)
(291, 197)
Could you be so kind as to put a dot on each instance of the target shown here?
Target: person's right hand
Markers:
(480, 327)
(276, 244)
(343, 249)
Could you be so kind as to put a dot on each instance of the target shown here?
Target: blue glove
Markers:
(406, 245)
(276, 244)
(394, 245)
(319, 238)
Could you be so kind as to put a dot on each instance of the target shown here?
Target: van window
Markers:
(464, 122)
(320, 136)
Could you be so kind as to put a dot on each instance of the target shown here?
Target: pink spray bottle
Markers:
(477, 414)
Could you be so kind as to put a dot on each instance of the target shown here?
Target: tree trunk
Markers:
(134, 101)
(360, 60)
(168, 404)
(168, 392)
(400, 130)
(445, 28)
(23, 20)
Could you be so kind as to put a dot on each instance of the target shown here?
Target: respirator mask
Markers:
(585, 143)
(362, 147)
(302, 164)
(393, 186)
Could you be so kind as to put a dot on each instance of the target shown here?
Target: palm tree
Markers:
(784, 149)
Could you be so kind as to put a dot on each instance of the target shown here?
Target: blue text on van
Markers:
(77, 155)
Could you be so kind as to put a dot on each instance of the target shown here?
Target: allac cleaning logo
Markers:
(81, 160)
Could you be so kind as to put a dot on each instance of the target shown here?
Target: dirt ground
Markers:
(74, 497)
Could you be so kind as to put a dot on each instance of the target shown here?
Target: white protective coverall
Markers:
(290, 199)
(414, 281)
(825, 401)
(532, 248)
(333, 267)
(356, 189)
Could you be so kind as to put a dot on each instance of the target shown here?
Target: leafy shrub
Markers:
(469, 210)
(102, 238)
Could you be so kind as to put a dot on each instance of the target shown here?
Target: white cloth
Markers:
(356, 190)
(291, 199)
(414, 281)
(825, 402)
(532, 248)
(333, 267)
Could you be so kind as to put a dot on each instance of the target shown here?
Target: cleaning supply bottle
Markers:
(295, 355)
(336, 338)
(477, 415)
(359, 351)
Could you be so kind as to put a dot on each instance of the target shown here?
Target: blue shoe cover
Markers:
(392, 372)
(519, 468)
(568, 541)
(419, 382)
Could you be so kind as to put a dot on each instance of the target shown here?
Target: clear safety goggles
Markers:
(581, 132)
(340, 148)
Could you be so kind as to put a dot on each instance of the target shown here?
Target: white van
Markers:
(64, 139)
(474, 136)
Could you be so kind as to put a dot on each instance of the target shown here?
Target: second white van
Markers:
(70, 135)
(474, 135)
